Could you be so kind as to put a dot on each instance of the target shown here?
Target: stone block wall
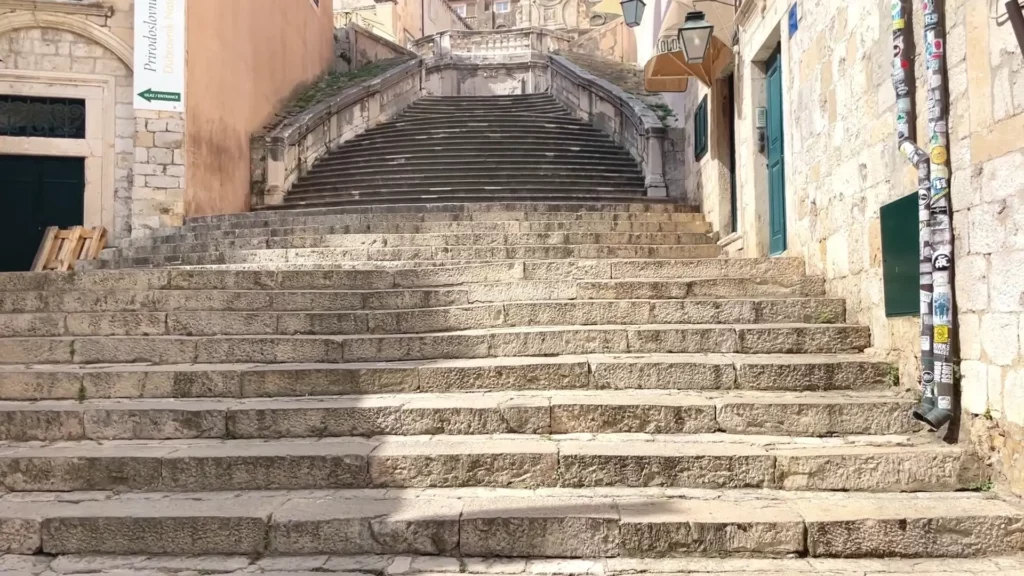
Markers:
(65, 62)
(159, 197)
(842, 165)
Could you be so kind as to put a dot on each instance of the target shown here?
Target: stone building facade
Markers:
(142, 169)
(842, 164)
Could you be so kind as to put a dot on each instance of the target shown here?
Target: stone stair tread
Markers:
(537, 523)
(457, 413)
(631, 445)
(413, 565)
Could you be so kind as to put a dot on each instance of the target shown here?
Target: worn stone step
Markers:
(430, 276)
(370, 153)
(471, 413)
(413, 320)
(472, 132)
(417, 169)
(497, 227)
(436, 253)
(850, 463)
(525, 177)
(298, 218)
(379, 197)
(706, 292)
(418, 166)
(291, 528)
(386, 188)
(446, 108)
(509, 118)
(384, 160)
(581, 372)
(483, 343)
(465, 210)
(427, 240)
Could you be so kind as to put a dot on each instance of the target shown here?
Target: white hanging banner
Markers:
(160, 55)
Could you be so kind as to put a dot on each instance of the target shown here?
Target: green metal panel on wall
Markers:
(900, 257)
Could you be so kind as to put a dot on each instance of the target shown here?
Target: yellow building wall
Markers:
(246, 58)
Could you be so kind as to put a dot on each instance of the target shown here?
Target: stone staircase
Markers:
(473, 380)
(473, 149)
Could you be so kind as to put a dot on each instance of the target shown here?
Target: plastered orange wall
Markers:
(246, 58)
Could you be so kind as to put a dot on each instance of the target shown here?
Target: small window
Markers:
(34, 117)
(700, 130)
(460, 9)
(501, 7)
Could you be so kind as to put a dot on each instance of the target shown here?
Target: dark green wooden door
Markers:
(36, 192)
(776, 158)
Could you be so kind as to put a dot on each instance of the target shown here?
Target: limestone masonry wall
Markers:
(843, 165)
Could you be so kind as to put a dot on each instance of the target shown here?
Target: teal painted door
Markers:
(776, 158)
(36, 192)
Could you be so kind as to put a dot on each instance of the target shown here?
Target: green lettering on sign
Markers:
(156, 95)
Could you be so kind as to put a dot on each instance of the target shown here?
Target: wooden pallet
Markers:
(60, 249)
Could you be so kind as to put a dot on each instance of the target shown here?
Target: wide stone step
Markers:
(705, 292)
(420, 320)
(490, 149)
(482, 134)
(470, 413)
(578, 183)
(411, 127)
(565, 372)
(477, 131)
(384, 197)
(526, 176)
(428, 276)
(470, 211)
(421, 565)
(564, 523)
(849, 463)
(503, 121)
(415, 168)
(483, 343)
(436, 253)
(497, 227)
(427, 240)
(488, 158)
(341, 216)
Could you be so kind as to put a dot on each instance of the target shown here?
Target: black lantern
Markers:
(694, 37)
(633, 12)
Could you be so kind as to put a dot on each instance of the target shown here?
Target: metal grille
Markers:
(33, 117)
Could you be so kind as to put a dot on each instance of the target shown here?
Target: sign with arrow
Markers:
(160, 55)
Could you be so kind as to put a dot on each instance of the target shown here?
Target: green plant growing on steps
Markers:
(984, 486)
(826, 317)
(892, 376)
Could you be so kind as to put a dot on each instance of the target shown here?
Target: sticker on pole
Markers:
(160, 55)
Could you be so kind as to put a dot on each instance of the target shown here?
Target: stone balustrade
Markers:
(289, 150)
(630, 122)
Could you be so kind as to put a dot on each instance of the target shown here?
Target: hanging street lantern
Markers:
(633, 12)
(695, 36)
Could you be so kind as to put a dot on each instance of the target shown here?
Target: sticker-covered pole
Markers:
(941, 216)
(902, 80)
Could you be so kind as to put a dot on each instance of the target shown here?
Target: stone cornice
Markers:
(81, 9)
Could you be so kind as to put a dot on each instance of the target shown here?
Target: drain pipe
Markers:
(902, 79)
(943, 303)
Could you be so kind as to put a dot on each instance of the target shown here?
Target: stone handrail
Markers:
(289, 150)
(484, 42)
(621, 115)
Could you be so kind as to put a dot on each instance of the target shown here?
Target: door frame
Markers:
(98, 146)
(774, 60)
